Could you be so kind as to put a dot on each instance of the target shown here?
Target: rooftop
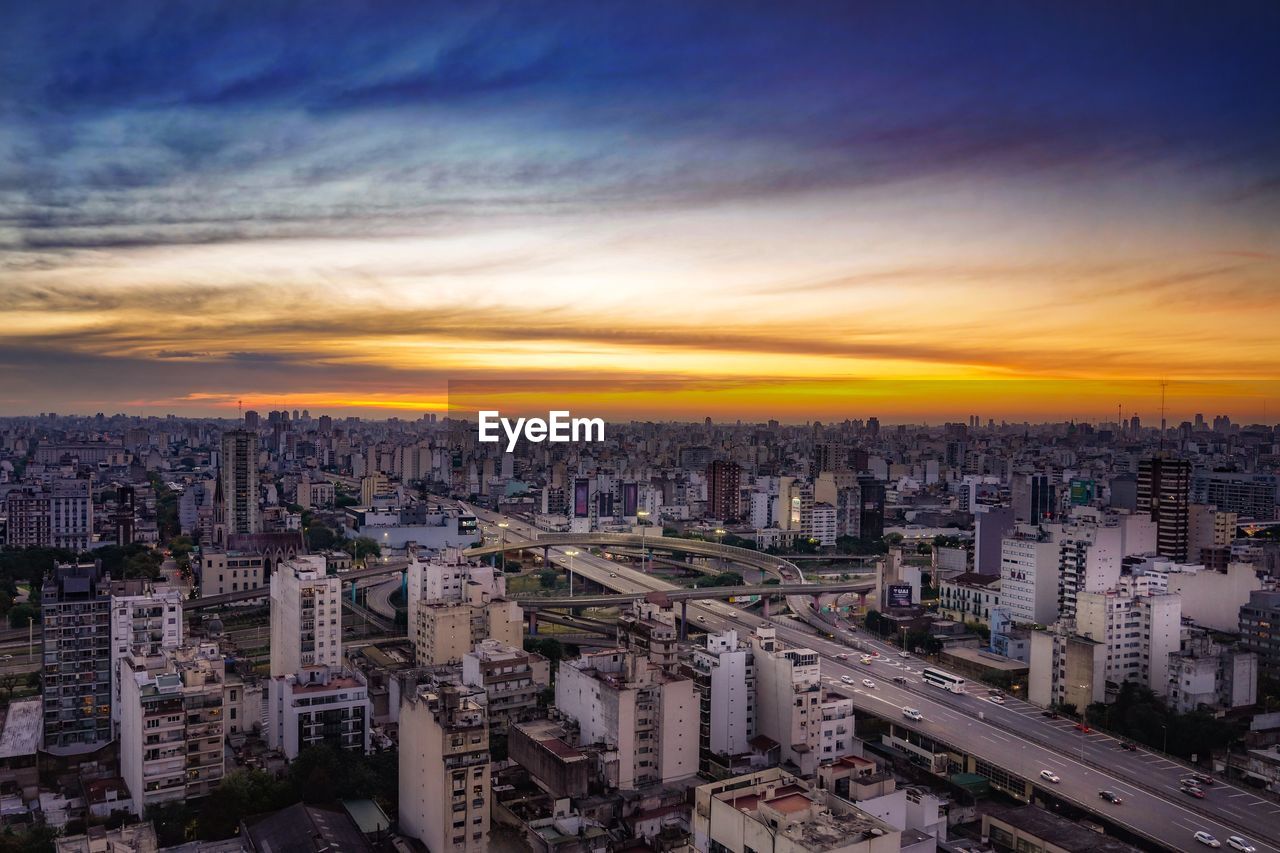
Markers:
(22, 728)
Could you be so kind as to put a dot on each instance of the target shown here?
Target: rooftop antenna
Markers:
(1163, 385)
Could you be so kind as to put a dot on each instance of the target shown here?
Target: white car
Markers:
(999, 700)
(1241, 844)
(846, 679)
(912, 714)
(702, 619)
(842, 656)
(867, 682)
(904, 654)
(1207, 839)
(1050, 776)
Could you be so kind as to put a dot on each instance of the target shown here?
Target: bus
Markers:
(945, 680)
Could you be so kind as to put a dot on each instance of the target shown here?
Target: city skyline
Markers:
(201, 209)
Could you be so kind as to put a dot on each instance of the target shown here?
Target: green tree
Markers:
(20, 613)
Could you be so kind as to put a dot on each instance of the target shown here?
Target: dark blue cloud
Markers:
(279, 117)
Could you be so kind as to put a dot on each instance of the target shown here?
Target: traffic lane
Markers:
(1143, 812)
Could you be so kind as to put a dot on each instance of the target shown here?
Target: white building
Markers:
(145, 620)
(306, 616)
(1089, 560)
(443, 633)
(1209, 675)
(1213, 599)
(647, 715)
(772, 810)
(318, 705)
(447, 576)
(1139, 633)
(1029, 578)
(171, 724)
(510, 680)
(823, 524)
(969, 597)
(725, 682)
(444, 769)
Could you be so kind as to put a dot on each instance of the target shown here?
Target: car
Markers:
(1050, 776)
(842, 656)
(997, 699)
(867, 682)
(899, 679)
(702, 619)
(613, 574)
(6, 657)
(904, 654)
(1111, 797)
(1128, 746)
(1050, 714)
(1207, 839)
(875, 654)
(1192, 790)
(1202, 778)
(846, 679)
(1235, 842)
(1081, 727)
(912, 714)
(866, 659)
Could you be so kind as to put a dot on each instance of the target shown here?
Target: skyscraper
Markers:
(724, 490)
(1164, 491)
(76, 623)
(239, 480)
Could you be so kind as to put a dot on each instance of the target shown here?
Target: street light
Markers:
(642, 514)
(503, 525)
(1165, 729)
(570, 553)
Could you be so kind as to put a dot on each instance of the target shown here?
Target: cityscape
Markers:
(579, 427)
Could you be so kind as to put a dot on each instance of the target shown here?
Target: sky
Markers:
(348, 206)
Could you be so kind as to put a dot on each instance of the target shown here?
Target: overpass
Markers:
(263, 592)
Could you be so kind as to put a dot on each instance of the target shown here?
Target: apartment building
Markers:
(172, 724)
(1089, 559)
(648, 630)
(1164, 489)
(444, 769)
(1138, 632)
(1260, 630)
(318, 704)
(775, 810)
(724, 682)
(238, 482)
(648, 716)
(1209, 675)
(306, 616)
(75, 623)
(221, 571)
(447, 576)
(445, 632)
(510, 679)
(969, 597)
(1066, 669)
(146, 619)
(56, 515)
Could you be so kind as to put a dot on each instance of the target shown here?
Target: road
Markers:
(1014, 736)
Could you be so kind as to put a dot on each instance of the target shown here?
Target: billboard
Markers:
(1082, 492)
(898, 595)
(581, 493)
(630, 498)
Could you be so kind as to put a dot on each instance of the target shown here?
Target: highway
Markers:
(1014, 736)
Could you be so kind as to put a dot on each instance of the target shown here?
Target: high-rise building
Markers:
(1089, 560)
(991, 525)
(724, 681)
(1164, 489)
(1249, 495)
(1138, 631)
(145, 621)
(444, 769)
(1258, 621)
(1029, 566)
(724, 490)
(306, 616)
(239, 481)
(76, 623)
(510, 678)
(1034, 497)
(1209, 529)
(316, 705)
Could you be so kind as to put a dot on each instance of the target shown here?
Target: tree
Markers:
(362, 548)
(722, 579)
(320, 537)
(20, 613)
(874, 622)
(548, 578)
(241, 794)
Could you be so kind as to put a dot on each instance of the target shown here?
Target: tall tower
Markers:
(1164, 489)
(239, 481)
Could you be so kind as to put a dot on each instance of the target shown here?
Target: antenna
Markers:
(1163, 386)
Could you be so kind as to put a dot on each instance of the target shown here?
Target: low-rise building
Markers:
(774, 810)
(220, 571)
(969, 597)
(445, 632)
(647, 630)
(1206, 674)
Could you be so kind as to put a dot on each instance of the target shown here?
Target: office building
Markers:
(1251, 496)
(991, 525)
(1029, 565)
(172, 724)
(444, 769)
(238, 482)
(1164, 491)
(75, 604)
(1033, 496)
